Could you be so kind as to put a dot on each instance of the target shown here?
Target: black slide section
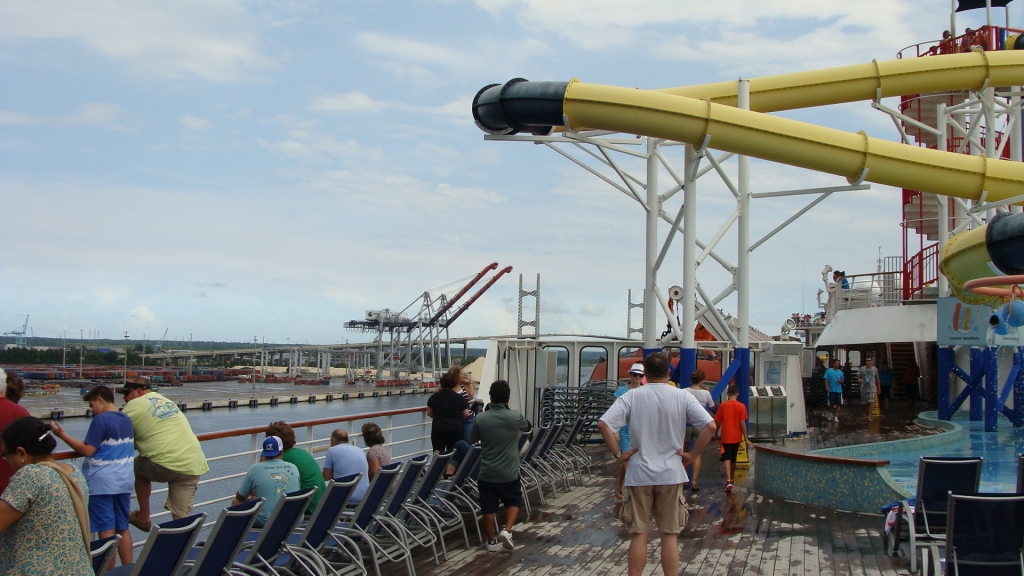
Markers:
(519, 106)
(1004, 239)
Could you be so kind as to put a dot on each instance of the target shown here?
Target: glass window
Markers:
(854, 357)
(593, 364)
(629, 355)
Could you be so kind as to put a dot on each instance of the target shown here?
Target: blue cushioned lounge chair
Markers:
(166, 548)
(216, 555)
(984, 536)
(102, 551)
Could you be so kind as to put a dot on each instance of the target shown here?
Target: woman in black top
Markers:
(448, 409)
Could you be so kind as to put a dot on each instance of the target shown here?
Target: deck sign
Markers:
(961, 324)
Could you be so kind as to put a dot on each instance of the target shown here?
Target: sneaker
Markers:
(728, 486)
(506, 540)
(494, 546)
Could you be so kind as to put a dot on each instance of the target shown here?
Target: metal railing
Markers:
(865, 291)
(233, 464)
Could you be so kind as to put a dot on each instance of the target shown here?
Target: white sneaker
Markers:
(493, 546)
(506, 540)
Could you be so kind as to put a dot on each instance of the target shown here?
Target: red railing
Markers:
(920, 270)
(987, 37)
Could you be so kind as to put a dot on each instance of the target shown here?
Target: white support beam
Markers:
(689, 300)
(651, 248)
(718, 236)
(743, 233)
(789, 220)
(826, 189)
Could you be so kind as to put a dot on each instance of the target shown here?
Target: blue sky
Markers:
(274, 168)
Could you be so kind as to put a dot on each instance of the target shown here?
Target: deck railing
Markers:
(865, 291)
(402, 440)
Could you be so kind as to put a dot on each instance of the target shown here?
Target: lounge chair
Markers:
(936, 478)
(102, 551)
(1020, 474)
(454, 494)
(384, 541)
(166, 548)
(444, 517)
(316, 549)
(416, 525)
(216, 555)
(262, 549)
(530, 468)
(984, 536)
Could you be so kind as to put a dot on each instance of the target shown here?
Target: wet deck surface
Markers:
(739, 533)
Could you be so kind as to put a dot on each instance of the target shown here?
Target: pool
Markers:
(999, 450)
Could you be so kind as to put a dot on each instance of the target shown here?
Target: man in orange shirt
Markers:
(732, 423)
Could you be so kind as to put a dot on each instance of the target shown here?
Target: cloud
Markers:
(194, 124)
(202, 294)
(590, 309)
(313, 146)
(217, 40)
(412, 51)
(144, 314)
(94, 114)
(211, 284)
(348, 102)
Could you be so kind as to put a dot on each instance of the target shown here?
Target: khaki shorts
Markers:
(691, 434)
(181, 488)
(667, 502)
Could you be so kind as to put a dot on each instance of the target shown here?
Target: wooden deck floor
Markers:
(740, 533)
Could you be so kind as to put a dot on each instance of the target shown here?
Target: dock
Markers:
(744, 532)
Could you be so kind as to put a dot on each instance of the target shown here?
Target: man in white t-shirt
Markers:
(692, 432)
(657, 463)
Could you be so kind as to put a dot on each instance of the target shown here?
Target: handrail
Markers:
(71, 454)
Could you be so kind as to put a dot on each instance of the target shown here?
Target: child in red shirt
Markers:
(732, 425)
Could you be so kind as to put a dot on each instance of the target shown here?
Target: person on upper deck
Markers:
(840, 279)
(657, 414)
(41, 526)
(448, 409)
(377, 455)
(309, 470)
(344, 459)
(168, 452)
(9, 412)
(270, 479)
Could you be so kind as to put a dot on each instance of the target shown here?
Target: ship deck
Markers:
(739, 533)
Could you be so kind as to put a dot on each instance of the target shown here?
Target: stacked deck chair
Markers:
(417, 526)
(165, 550)
(444, 516)
(557, 458)
(572, 451)
(458, 492)
(314, 548)
(547, 464)
(530, 467)
(1020, 474)
(984, 536)
(102, 551)
(215, 556)
(528, 483)
(382, 539)
(265, 551)
(926, 525)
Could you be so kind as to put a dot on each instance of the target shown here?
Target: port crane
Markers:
(407, 344)
(159, 346)
(19, 335)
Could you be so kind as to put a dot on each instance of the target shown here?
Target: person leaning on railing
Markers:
(168, 452)
(44, 524)
(309, 470)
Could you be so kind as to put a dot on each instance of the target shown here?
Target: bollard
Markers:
(361, 395)
(88, 412)
(56, 414)
(312, 398)
(232, 403)
(182, 406)
(329, 398)
(293, 400)
(274, 401)
(253, 403)
(344, 396)
(207, 406)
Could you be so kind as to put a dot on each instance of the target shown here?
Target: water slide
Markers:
(706, 115)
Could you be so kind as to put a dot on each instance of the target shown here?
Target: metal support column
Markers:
(943, 210)
(946, 359)
(992, 405)
(651, 245)
(688, 348)
(988, 97)
(977, 400)
(1018, 392)
(742, 353)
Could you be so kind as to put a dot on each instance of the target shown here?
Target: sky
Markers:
(233, 169)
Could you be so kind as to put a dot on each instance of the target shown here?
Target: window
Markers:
(593, 364)
(561, 364)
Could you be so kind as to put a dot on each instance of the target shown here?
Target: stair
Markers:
(901, 356)
(922, 108)
(922, 215)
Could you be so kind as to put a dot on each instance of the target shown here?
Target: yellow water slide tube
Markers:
(707, 113)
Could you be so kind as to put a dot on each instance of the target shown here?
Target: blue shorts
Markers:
(835, 398)
(109, 511)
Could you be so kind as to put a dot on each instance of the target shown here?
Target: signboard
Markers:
(772, 373)
(961, 324)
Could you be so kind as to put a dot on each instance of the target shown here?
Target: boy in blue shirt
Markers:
(270, 479)
(834, 383)
(109, 468)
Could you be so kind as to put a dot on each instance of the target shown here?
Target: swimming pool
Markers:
(999, 450)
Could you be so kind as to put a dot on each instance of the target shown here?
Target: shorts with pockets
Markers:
(181, 488)
(666, 503)
(494, 493)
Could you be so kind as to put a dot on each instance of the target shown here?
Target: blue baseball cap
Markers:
(272, 447)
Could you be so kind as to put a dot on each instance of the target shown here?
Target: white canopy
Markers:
(881, 324)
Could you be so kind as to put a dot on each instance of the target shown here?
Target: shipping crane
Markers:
(406, 344)
(19, 335)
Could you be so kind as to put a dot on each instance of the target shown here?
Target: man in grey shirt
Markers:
(498, 430)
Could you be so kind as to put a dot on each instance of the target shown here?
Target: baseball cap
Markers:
(637, 368)
(272, 447)
(134, 383)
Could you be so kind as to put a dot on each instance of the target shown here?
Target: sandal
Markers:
(694, 487)
(133, 519)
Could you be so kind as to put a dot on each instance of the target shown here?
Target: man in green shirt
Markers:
(309, 470)
(168, 452)
(498, 430)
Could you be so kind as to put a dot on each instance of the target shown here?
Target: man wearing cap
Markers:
(270, 478)
(168, 452)
(636, 380)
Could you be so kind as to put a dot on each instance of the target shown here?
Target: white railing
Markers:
(865, 291)
(403, 440)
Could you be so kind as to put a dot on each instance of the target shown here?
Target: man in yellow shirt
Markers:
(168, 452)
